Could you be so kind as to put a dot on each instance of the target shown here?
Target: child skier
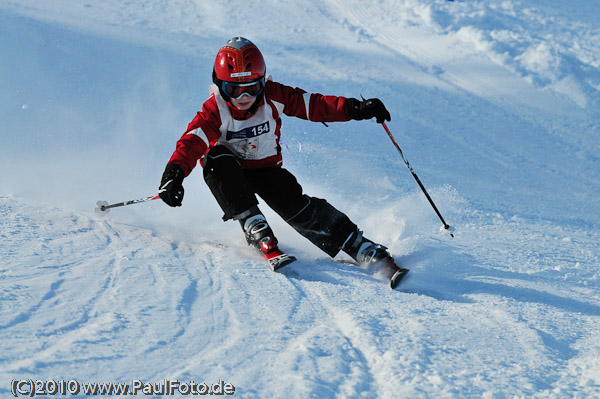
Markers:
(236, 138)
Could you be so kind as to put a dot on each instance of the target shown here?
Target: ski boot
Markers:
(374, 257)
(259, 235)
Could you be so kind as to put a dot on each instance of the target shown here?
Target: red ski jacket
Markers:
(254, 137)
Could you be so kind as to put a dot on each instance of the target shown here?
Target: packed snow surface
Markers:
(495, 105)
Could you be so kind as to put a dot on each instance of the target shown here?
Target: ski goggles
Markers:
(237, 90)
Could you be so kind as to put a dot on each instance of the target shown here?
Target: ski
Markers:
(278, 259)
(397, 277)
(389, 270)
(386, 269)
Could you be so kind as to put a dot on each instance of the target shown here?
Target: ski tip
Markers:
(280, 261)
(398, 277)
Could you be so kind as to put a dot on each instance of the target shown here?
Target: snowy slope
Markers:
(495, 105)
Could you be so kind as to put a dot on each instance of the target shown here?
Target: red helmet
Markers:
(239, 61)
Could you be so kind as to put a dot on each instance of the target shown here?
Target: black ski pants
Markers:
(235, 190)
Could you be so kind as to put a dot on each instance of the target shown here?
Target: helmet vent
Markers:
(239, 57)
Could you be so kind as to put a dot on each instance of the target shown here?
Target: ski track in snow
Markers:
(107, 296)
(496, 106)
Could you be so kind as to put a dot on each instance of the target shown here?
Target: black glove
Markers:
(367, 109)
(171, 188)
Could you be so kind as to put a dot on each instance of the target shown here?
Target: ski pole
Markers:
(103, 207)
(446, 226)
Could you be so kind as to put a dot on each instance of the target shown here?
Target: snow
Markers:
(495, 105)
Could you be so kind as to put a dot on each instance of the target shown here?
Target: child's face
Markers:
(244, 103)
